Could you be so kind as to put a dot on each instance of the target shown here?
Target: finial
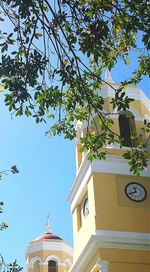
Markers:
(108, 77)
(47, 225)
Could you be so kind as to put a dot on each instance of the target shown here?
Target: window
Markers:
(36, 267)
(52, 266)
(127, 127)
(84, 209)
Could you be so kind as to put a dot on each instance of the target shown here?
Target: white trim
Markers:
(78, 188)
(124, 237)
(78, 128)
(51, 245)
(52, 258)
(67, 262)
(131, 91)
(111, 239)
(108, 77)
(112, 165)
(137, 116)
(33, 260)
(147, 117)
(43, 263)
(103, 265)
(80, 264)
(62, 264)
(46, 263)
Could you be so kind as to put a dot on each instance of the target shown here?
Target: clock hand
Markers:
(131, 193)
(135, 190)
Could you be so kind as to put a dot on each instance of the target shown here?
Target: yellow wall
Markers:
(122, 260)
(82, 233)
(110, 209)
(78, 155)
(43, 254)
(136, 104)
(114, 211)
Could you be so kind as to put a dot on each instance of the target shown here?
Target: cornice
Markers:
(111, 239)
(43, 245)
(132, 91)
(114, 164)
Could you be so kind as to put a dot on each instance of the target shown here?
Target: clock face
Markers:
(86, 207)
(135, 191)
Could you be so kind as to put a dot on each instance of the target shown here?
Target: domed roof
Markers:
(48, 236)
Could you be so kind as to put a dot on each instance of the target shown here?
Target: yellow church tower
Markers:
(110, 206)
(48, 253)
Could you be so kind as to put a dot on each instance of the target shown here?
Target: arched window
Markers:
(36, 266)
(127, 127)
(52, 266)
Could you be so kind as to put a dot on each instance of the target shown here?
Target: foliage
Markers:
(2, 225)
(137, 161)
(13, 170)
(52, 62)
(12, 267)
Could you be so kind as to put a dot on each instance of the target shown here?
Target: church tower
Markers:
(48, 253)
(110, 206)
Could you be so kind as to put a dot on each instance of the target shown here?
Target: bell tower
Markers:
(110, 206)
(48, 253)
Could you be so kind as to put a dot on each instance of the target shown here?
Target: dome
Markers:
(48, 236)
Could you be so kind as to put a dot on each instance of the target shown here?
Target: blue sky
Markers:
(47, 169)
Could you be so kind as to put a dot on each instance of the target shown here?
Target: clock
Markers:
(86, 207)
(135, 191)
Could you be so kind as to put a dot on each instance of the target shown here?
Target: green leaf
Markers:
(38, 35)
(90, 157)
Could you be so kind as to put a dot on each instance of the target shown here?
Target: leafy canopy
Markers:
(52, 63)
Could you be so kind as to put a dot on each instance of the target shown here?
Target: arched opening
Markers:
(36, 266)
(52, 266)
(68, 264)
(127, 128)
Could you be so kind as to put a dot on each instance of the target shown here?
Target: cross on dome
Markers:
(47, 225)
(48, 235)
